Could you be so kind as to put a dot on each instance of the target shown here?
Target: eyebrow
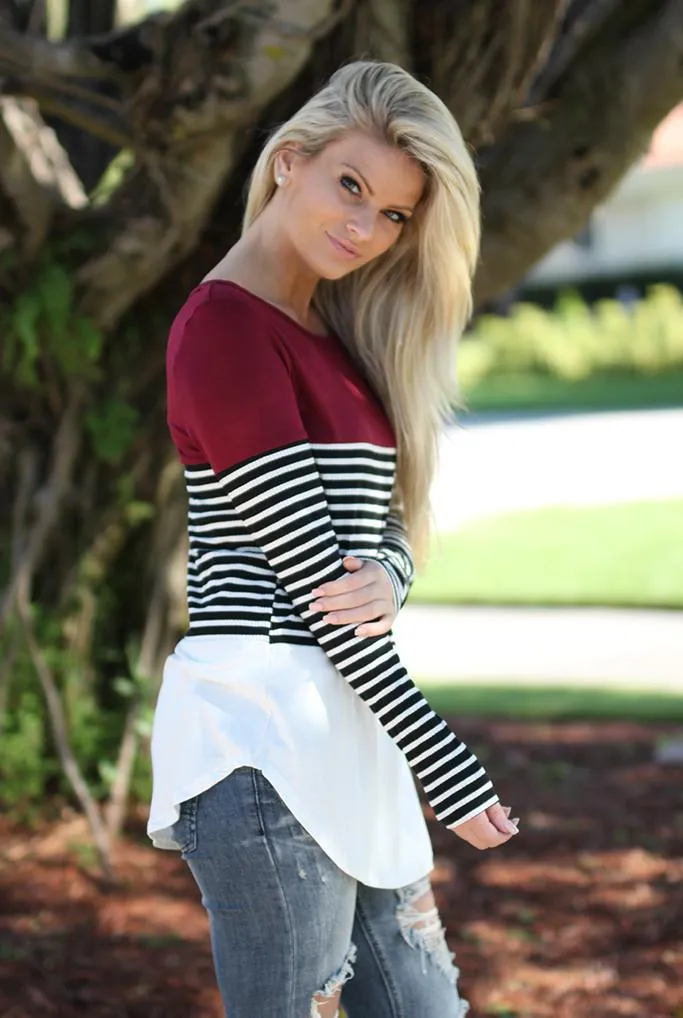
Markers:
(408, 208)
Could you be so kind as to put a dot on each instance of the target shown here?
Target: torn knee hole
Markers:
(325, 1003)
(421, 927)
(417, 908)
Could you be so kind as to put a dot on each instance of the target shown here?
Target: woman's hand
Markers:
(488, 829)
(364, 595)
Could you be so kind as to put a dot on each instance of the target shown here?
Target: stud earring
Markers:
(279, 179)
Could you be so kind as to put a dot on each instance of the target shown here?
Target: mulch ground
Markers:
(581, 916)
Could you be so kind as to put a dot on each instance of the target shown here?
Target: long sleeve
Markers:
(234, 398)
(396, 556)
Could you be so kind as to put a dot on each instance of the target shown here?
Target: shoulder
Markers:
(222, 324)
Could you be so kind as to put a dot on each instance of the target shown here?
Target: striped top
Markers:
(233, 589)
(289, 462)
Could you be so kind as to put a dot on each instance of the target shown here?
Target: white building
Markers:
(636, 235)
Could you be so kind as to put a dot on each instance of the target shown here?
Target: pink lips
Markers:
(342, 248)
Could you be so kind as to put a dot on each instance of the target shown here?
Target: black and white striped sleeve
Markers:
(396, 556)
(278, 495)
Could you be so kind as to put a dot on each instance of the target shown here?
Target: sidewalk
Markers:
(489, 465)
(492, 464)
(621, 648)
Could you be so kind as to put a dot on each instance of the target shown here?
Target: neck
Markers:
(265, 261)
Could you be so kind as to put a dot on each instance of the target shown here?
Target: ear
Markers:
(286, 159)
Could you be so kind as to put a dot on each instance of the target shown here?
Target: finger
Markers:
(493, 840)
(497, 817)
(375, 628)
(492, 834)
(352, 563)
(342, 601)
(482, 833)
(370, 612)
(352, 581)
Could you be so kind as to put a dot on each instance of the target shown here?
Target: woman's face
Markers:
(348, 204)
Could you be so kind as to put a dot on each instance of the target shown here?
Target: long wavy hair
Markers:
(402, 314)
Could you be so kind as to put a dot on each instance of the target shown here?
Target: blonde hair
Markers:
(401, 314)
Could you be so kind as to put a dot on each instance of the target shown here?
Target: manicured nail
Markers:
(317, 592)
(515, 821)
(510, 827)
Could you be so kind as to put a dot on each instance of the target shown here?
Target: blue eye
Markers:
(354, 183)
(401, 218)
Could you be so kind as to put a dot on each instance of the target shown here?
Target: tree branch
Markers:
(100, 126)
(39, 59)
(169, 531)
(35, 171)
(577, 30)
(383, 31)
(543, 178)
(66, 447)
(67, 758)
(232, 65)
(480, 56)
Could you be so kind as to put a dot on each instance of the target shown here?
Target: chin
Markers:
(333, 268)
(338, 270)
(332, 274)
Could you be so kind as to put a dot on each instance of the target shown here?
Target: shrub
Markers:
(574, 340)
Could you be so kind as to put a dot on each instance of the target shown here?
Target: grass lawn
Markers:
(551, 703)
(616, 555)
(597, 392)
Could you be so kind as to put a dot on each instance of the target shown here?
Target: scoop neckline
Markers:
(272, 307)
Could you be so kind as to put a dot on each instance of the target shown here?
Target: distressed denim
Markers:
(289, 928)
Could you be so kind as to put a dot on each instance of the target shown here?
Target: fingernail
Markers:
(317, 592)
(507, 810)
(510, 828)
(515, 820)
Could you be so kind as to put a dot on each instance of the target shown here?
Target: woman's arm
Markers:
(374, 590)
(232, 393)
(396, 556)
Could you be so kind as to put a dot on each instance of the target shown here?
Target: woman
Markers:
(308, 377)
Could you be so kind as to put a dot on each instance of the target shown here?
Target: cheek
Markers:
(386, 235)
(320, 203)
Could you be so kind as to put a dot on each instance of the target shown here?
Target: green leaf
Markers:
(138, 512)
(107, 772)
(112, 428)
(55, 290)
(24, 324)
(91, 339)
(124, 686)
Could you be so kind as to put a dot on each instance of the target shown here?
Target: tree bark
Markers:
(89, 154)
(543, 178)
(531, 84)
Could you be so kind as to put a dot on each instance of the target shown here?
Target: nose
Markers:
(361, 225)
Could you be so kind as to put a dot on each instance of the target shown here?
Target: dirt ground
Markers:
(581, 916)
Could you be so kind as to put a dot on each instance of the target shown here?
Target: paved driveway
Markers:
(603, 647)
(493, 465)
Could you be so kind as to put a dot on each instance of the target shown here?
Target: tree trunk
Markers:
(89, 155)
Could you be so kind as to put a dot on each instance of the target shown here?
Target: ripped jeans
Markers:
(289, 929)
